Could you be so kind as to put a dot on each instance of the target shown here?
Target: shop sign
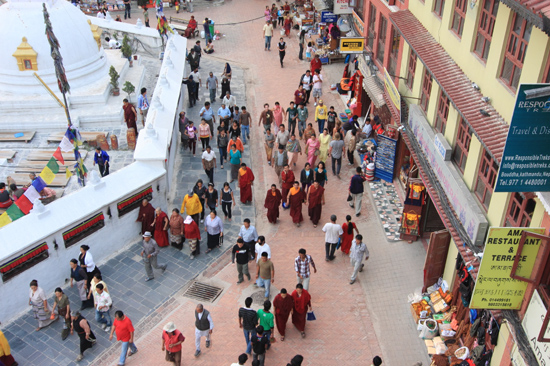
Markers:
(515, 356)
(328, 17)
(362, 65)
(525, 164)
(352, 44)
(342, 7)
(531, 323)
(443, 147)
(494, 288)
(392, 91)
(358, 23)
(459, 196)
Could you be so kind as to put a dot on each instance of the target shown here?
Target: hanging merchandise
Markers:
(409, 224)
(416, 194)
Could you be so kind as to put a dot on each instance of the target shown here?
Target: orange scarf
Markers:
(273, 193)
(242, 171)
(294, 190)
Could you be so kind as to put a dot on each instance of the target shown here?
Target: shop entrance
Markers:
(436, 257)
(432, 221)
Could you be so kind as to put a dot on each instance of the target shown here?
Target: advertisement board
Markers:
(494, 288)
(532, 322)
(342, 7)
(392, 91)
(525, 164)
(328, 17)
(352, 44)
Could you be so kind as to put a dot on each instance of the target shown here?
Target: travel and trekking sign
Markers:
(352, 44)
(494, 288)
(525, 164)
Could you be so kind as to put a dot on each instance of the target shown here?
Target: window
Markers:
(486, 178)
(359, 8)
(485, 28)
(394, 51)
(371, 32)
(23, 262)
(520, 211)
(28, 64)
(458, 17)
(411, 70)
(381, 48)
(442, 113)
(515, 51)
(462, 145)
(426, 90)
(546, 77)
(438, 7)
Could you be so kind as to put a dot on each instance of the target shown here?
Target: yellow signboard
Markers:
(392, 91)
(352, 44)
(494, 288)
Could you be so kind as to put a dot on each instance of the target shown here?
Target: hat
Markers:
(188, 220)
(169, 327)
(147, 234)
(190, 192)
(191, 77)
(320, 101)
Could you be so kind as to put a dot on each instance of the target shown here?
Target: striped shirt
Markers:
(249, 317)
(302, 266)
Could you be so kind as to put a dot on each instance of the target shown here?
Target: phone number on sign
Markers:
(515, 182)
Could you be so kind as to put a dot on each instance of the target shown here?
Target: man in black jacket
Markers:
(356, 190)
(259, 344)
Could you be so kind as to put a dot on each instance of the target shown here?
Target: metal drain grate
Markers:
(203, 292)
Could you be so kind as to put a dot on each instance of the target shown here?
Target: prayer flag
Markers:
(47, 175)
(59, 156)
(66, 145)
(32, 194)
(54, 167)
(24, 204)
(4, 219)
(15, 212)
(39, 184)
(68, 174)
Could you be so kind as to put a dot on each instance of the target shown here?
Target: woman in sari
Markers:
(62, 303)
(190, 27)
(82, 328)
(288, 25)
(226, 72)
(40, 308)
(161, 228)
(176, 229)
(348, 235)
(277, 117)
(6, 358)
(312, 147)
(324, 140)
(308, 132)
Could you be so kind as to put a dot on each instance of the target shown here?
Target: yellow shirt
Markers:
(321, 112)
(191, 204)
(4, 345)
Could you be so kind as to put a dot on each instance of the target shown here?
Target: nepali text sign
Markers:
(463, 203)
(532, 322)
(494, 288)
(392, 91)
(352, 44)
(328, 17)
(525, 164)
(342, 7)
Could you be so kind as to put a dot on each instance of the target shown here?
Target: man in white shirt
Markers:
(113, 43)
(197, 77)
(242, 360)
(268, 33)
(367, 128)
(103, 307)
(307, 82)
(357, 252)
(261, 247)
(203, 327)
(317, 87)
(209, 163)
(333, 232)
(230, 101)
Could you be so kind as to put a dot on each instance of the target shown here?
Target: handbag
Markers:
(317, 153)
(311, 316)
(349, 197)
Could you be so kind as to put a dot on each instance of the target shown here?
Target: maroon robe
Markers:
(299, 314)
(288, 180)
(161, 235)
(315, 203)
(295, 201)
(282, 311)
(146, 216)
(272, 204)
(245, 184)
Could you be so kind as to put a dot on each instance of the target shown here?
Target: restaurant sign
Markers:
(342, 7)
(532, 322)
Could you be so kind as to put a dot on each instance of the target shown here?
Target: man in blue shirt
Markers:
(356, 190)
(302, 118)
(225, 114)
(101, 158)
(249, 235)
(207, 113)
(143, 105)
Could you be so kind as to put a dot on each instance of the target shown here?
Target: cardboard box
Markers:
(415, 316)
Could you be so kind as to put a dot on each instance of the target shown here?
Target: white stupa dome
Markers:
(84, 62)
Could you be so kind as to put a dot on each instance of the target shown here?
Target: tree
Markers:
(126, 48)
(114, 80)
(129, 88)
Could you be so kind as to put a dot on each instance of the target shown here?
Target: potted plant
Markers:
(129, 88)
(126, 49)
(114, 81)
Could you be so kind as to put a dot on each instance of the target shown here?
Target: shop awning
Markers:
(466, 253)
(491, 130)
(375, 92)
(394, 113)
(537, 12)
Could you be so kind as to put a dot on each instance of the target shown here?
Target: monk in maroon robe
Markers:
(295, 200)
(287, 177)
(246, 179)
(302, 301)
(315, 200)
(146, 216)
(283, 303)
(161, 228)
(272, 203)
